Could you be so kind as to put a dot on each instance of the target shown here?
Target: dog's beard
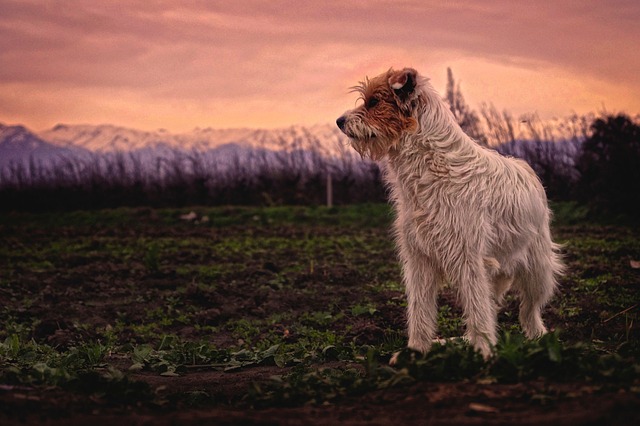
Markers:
(373, 148)
(367, 141)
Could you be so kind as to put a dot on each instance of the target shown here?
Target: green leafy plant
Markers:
(152, 258)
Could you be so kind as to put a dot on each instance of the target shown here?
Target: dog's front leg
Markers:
(475, 294)
(421, 285)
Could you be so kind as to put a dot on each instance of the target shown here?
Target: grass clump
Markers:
(515, 359)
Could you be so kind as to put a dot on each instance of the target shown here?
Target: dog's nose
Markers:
(340, 122)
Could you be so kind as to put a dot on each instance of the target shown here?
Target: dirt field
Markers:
(288, 315)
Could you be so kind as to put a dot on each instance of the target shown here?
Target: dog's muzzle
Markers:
(340, 122)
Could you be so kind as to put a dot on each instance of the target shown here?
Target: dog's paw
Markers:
(443, 342)
(406, 356)
(481, 345)
(394, 358)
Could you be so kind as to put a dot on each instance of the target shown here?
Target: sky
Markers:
(178, 65)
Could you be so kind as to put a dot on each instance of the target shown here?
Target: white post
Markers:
(329, 190)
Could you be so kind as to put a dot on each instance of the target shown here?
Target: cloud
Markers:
(261, 63)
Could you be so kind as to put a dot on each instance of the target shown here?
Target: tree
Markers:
(609, 166)
(465, 116)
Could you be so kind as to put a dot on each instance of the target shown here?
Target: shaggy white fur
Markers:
(465, 215)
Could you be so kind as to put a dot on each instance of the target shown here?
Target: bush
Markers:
(247, 176)
(609, 166)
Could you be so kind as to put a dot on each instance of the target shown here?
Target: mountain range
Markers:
(19, 144)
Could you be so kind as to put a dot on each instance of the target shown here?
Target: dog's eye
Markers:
(372, 102)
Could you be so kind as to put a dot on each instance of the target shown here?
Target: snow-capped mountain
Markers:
(109, 149)
(18, 144)
(326, 139)
(103, 138)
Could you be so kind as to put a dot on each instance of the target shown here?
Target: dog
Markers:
(465, 215)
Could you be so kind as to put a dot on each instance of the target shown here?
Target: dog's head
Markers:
(387, 113)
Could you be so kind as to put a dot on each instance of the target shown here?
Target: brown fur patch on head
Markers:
(383, 114)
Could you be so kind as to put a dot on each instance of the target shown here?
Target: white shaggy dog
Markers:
(466, 215)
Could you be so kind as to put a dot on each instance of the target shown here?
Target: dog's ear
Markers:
(403, 83)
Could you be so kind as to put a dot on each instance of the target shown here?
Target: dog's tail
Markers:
(548, 261)
(557, 264)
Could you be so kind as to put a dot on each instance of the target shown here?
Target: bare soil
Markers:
(72, 280)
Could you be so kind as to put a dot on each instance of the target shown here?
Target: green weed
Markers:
(515, 359)
(449, 324)
(367, 309)
(152, 258)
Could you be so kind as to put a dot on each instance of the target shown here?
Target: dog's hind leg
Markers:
(536, 283)
(501, 285)
(500, 279)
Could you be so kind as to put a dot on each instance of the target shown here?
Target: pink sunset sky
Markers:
(184, 64)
